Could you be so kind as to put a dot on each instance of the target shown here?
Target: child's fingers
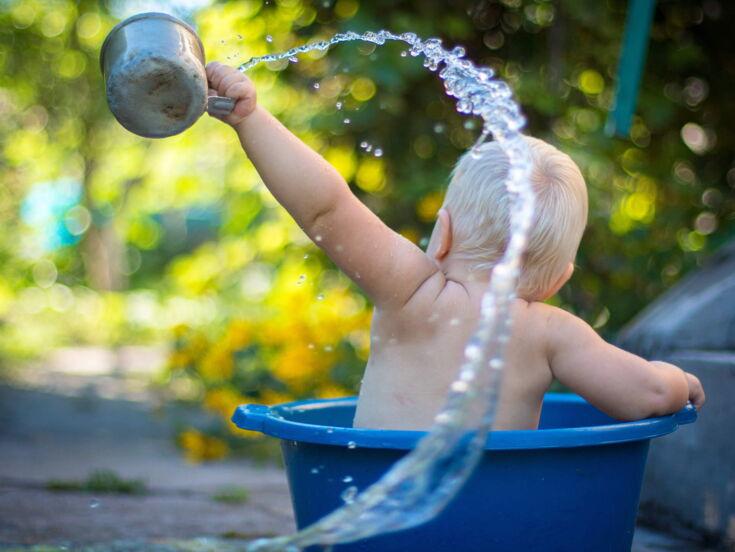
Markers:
(239, 90)
(696, 392)
(216, 72)
(245, 95)
(229, 80)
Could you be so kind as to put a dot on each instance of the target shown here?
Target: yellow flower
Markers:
(199, 447)
(239, 335)
(223, 401)
(178, 360)
(299, 367)
(270, 397)
(217, 364)
(332, 391)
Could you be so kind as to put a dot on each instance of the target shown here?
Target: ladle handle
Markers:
(220, 105)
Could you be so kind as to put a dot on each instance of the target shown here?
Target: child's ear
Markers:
(444, 222)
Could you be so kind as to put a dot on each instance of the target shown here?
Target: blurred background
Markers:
(163, 271)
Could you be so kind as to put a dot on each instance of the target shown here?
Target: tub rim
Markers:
(268, 420)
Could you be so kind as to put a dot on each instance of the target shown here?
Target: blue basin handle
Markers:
(686, 415)
(251, 416)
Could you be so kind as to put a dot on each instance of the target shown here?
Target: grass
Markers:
(232, 495)
(101, 482)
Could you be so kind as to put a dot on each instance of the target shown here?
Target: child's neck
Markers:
(464, 271)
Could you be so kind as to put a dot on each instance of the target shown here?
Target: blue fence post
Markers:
(630, 67)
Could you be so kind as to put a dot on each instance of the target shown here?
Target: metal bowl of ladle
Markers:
(153, 65)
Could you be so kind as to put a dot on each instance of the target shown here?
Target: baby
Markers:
(427, 304)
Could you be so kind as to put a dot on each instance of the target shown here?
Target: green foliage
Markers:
(100, 482)
(232, 495)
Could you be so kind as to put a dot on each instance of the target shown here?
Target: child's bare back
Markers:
(427, 303)
(415, 355)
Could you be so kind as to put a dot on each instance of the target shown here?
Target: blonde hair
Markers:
(478, 203)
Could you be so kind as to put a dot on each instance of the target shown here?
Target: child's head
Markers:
(478, 206)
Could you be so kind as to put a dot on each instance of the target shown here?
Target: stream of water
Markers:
(424, 481)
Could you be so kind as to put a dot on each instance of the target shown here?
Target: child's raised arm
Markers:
(621, 384)
(388, 267)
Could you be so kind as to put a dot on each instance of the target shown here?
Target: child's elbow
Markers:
(657, 401)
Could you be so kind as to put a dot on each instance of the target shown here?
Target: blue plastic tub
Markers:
(572, 485)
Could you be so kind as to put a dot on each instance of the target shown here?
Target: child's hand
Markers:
(696, 391)
(228, 81)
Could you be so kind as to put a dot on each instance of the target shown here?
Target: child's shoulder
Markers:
(557, 327)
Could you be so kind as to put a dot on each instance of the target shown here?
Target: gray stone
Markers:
(690, 475)
(696, 314)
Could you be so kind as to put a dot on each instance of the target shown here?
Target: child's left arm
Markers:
(388, 267)
(621, 384)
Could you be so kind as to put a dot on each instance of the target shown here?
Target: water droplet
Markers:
(315, 86)
(328, 348)
(306, 255)
(320, 297)
(442, 418)
(459, 386)
(364, 145)
(347, 479)
(404, 53)
(349, 494)
(469, 124)
(301, 280)
(458, 51)
(314, 470)
(94, 503)
(268, 38)
(378, 152)
(454, 322)
(473, 352)
(318, 238)
(338, 105)
(330, 430)
(438, 128)
(346, 120)
(222, 41)
(352, 445)
(293, 59)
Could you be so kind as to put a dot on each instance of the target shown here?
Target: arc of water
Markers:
(424, 481)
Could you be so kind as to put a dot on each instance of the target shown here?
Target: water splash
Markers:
(423, 482)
